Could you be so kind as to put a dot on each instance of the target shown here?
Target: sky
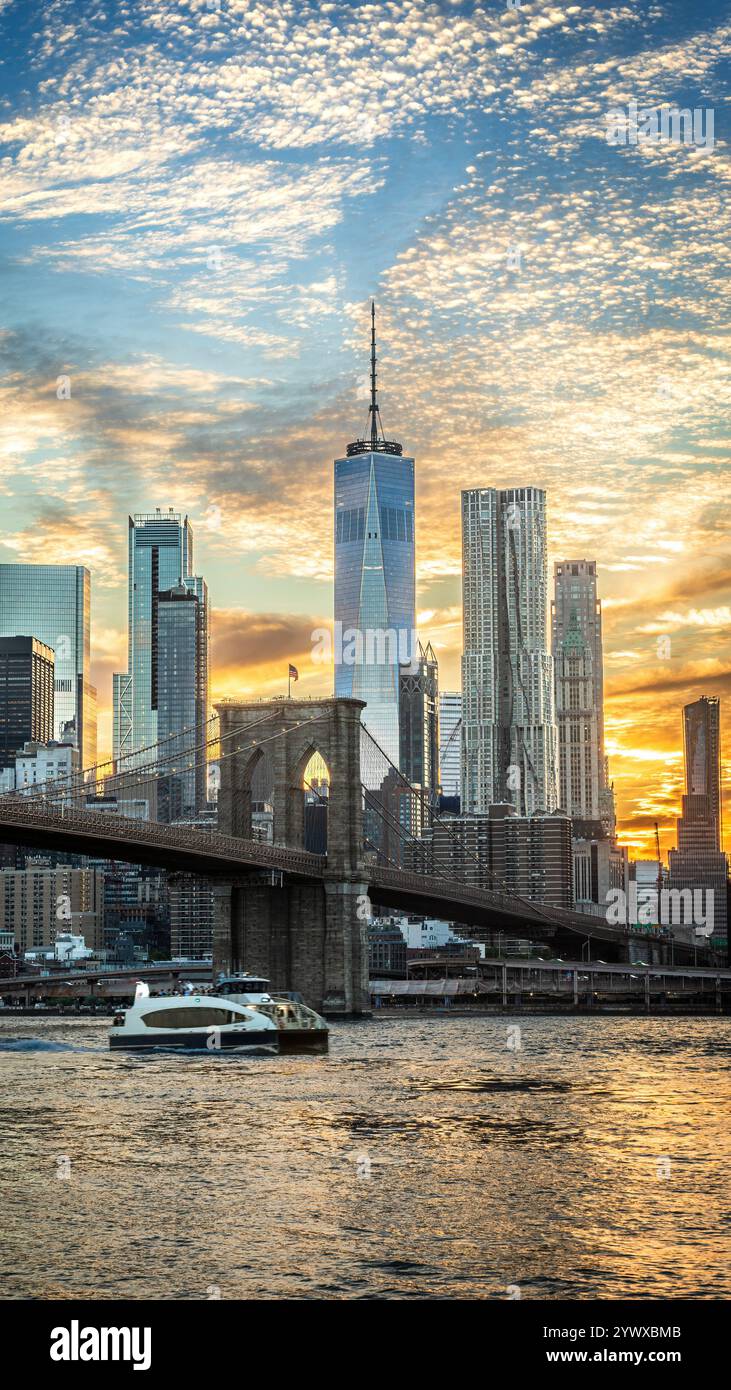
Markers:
(197, 201)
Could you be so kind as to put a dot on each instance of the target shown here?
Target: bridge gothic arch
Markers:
(309, 937)
(290, 731)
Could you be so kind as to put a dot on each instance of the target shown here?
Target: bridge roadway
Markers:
(103, 835)
(111, 982)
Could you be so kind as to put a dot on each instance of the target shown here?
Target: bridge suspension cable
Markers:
(372, 750)
(153, 771)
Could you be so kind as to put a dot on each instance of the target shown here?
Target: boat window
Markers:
(190, 1018)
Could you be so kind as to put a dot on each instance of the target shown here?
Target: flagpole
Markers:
(289, 682)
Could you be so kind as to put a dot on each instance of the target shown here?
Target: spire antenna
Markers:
(374, 395)
(376, 444)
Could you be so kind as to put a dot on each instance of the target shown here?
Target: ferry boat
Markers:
(300, 1028)
(190, 1022)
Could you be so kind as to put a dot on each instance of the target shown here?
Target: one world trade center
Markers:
(375, 617)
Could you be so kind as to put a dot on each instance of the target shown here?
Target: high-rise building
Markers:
(599, 866)
(698, 864)
(528, 855)
(450, 742)
(39, 902)
(166, 682)
(509, 743)
(375, 614)
(182, 690)
(26, 695)
(578, 732)
(702, 750)
(419, 720)
(53, 603)
(576, 634)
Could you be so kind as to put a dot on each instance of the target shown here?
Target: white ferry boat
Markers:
(300, 1028)
(190, 1022)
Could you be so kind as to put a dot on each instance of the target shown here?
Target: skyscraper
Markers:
(419, 716)
(182, 687)
(167, 672)
(53, 604)
(450, 742)
(375, 614)
(509, 745)
(576, 633)
(26, 695)
(702, 750)
(698, 863)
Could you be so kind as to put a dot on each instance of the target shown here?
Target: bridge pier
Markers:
(309, 937)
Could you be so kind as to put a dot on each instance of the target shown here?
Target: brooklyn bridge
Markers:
(298, 917)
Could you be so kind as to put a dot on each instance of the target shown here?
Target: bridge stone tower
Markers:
(302, 935)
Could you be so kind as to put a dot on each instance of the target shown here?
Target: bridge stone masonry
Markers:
(303, 935)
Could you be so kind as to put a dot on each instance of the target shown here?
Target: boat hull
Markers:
(303, 1040)
(193, 1041)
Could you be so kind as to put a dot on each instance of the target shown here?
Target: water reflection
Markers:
(422, 1158)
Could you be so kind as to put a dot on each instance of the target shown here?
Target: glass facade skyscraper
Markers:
(182, 690)
(26, 695)
(375, 590)
(53, 604)
(167, 649)
(450, 742)
(699, 863)
(419, 715)
(702, 751)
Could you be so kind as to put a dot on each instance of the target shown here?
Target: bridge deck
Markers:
(105, 835)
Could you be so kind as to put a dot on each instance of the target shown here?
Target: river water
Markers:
(440, 1158)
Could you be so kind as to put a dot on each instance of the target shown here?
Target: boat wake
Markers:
(42, 1045)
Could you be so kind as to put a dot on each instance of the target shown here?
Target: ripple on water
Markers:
(421, 1158)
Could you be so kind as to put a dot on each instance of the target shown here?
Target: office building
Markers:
(52, 767)
(509, 742)
(53, 604)
(419, 722)
(136, 910)
(698, 864)
(182, 686)
(26, 695)
(702, 756)
(386, 949)
(39, 902)
(580, 770)
(375, 615)
(191, 917)
(576, 638)
(164, 692)
(526, 855)
(599, 866)
(450, 742)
